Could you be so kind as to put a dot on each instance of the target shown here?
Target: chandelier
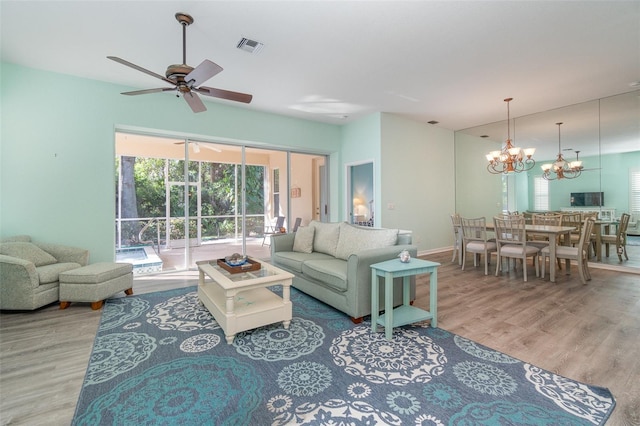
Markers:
(561, 167)
(511, 158)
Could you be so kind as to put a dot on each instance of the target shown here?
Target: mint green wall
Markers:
(522, 192)
(615, 179)
(413, 171)
(612, 179)
(361, 143)
(417, 173)
(57, 150)
(478, 192)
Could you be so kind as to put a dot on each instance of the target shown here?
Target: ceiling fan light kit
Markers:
(511, 159)
(561, 168)
(185, 79)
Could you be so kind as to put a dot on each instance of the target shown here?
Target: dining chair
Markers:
(456, 224)
(273, 229)
(542, 240)
(586, 215)
(296, 224)
(474, 240)
(511, 238)
(574, 220)
(619, 239)
(579, 253)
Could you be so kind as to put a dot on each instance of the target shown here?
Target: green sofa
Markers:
(332, 262)
(29, 271)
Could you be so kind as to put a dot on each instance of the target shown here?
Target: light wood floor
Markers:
(589, 333)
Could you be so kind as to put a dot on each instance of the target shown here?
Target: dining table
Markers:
(553, 232)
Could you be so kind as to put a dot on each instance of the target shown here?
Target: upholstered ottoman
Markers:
(94, 283)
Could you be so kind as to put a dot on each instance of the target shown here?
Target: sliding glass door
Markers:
(180, 201)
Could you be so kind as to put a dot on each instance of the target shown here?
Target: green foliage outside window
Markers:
(220, 196)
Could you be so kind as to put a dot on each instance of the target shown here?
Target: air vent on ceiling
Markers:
(250, 46)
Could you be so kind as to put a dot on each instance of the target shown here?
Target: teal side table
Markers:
(404, 314)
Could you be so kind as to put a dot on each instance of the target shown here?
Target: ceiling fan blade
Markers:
(201, 145)
(211, 147)
(194, 101)
(202, 73)
(139, 68)
(144, 92)
(225, 94)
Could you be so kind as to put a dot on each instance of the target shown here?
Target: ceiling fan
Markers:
(185, 79)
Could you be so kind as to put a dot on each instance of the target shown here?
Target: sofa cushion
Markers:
(293, 260)
(355, 238)
(27, 251)
(303, 241)
(51, 273)
(332, 272)
(326, 237)
(20, 238)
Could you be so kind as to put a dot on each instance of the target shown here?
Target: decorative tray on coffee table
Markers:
(248, 266)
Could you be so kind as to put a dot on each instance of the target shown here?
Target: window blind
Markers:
(634, 188)
(540, 193)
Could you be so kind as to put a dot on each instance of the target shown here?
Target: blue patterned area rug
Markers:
(161, 358)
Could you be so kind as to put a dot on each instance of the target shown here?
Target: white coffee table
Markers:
(242, 301)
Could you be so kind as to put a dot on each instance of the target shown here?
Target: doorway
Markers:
(360, 193)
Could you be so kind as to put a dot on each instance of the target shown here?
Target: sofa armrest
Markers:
(282, 242)
(16, 273)
(66, 253)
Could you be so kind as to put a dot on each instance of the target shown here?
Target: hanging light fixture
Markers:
(561, 167)
(511, 159)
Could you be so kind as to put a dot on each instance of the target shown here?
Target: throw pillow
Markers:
(303, 240)
(354, 239)
(27, 251)
(326, 237)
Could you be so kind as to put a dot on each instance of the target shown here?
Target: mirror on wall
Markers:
(604, 134)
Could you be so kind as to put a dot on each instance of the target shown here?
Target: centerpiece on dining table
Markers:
(237, 263)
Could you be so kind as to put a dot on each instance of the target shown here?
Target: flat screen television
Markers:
(587, 199)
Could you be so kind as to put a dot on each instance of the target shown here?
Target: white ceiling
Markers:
(336, 61)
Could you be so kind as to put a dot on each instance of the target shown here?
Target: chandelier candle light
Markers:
(511, 159)
(561, 167)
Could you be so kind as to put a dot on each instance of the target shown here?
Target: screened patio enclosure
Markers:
(179, 201)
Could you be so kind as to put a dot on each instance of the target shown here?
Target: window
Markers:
(276, 192)
(634, 191)
(540, 193)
